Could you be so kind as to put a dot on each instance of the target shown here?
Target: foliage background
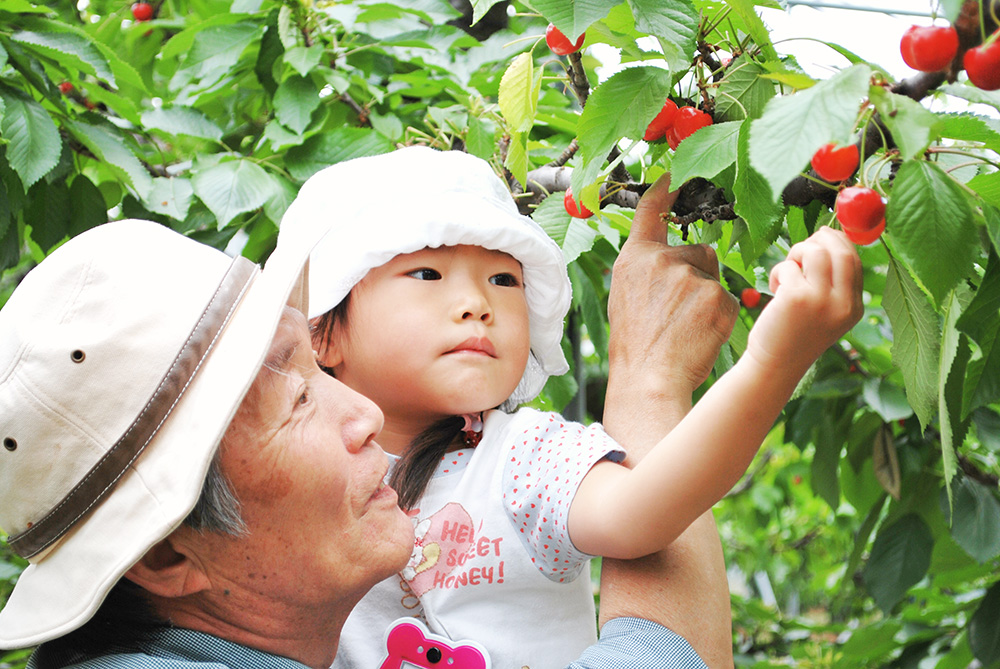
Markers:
(867, 532)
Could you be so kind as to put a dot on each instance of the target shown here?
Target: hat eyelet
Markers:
(10, 444)
(78, 356)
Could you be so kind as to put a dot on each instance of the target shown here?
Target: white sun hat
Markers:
(123, 357)
(378, 207)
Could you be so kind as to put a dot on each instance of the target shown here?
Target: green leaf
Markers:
(793, 127)
(987, 186)
(706, 153)
(517, 156)
(216, 49)
(591, 307)
(107, 144)
(480, 140)
(295, 101)
(912, 125)
(620, 107)
(232, 188)
(573, 235)
(48, 213)
(304, 59)
(573, 18)
(674, 22)
(899, 559)
(181, 121)
(754, 203)
(72, 50)
(747, 11)
(743, 93)
(916, 339)
(824, 472)
(479, 9)
(88, 210)
(931, 221)
(170, 197)
(951, 375)
(887, 399)
(969, 127)
(517, 98)
(976, 521)
(33, 143)
(333, 147)
(984, 628)
(987, 428)
(981, 318)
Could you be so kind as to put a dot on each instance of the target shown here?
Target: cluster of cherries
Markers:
(675, 124)
(933, 48)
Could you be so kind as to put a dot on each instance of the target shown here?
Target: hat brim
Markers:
(64, 589)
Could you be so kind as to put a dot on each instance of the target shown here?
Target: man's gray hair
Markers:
(217, 509)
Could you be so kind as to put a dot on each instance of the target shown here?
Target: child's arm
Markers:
(625, 513)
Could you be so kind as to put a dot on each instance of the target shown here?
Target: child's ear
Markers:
(329, 355)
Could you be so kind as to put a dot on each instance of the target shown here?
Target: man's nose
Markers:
(361, 419)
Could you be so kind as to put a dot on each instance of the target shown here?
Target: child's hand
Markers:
(817, 298)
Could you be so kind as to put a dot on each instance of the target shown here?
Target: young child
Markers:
(440, 302)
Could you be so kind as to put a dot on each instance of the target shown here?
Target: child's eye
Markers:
(505, 279)
(425, 274)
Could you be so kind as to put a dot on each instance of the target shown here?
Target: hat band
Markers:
(105, 474)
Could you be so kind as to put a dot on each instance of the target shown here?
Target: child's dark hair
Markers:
(416, 466)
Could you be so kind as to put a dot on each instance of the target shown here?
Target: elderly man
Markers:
(149, 383)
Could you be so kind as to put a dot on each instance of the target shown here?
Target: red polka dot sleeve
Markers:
(543, 469)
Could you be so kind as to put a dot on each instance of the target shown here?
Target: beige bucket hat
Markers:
(123, 357)
(417, 197)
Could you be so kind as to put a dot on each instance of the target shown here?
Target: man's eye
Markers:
(304, 397)
(425, 274)
(504, 279)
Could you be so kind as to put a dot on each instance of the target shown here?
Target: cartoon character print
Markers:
(448, 532)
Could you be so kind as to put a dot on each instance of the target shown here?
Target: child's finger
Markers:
(785, 273)
(647, 224)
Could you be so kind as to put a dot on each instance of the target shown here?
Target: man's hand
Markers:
(669, 314)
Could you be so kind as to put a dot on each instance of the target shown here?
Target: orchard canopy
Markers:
(867, 533)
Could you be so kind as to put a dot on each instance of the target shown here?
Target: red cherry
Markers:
(865, 237)
(860, 209)
(142, 11)
(662, 122)
(982, 64)
(835, 163)
(750, 297)
(559, 43)
(797, 479)
(671, 137)
(688, 120)
(573, 209)
(65, 88)
(929, 48)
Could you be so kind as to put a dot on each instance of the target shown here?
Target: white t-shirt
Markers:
(492, 561)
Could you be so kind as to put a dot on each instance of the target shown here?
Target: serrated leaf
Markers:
(931, 221)
(674, 22)
(976, 522)
(479, 9)
(886, 399)
(824, 470)
(987, 186)
(591, 307)
(170, 197)
(48, 213)
(33, 143)
(88, 210)
(232, 188)
(218, 48)
(303, 59)
(333, 147)
(969, 127)
(951, 374)
(754, 203)
(984, 628)
(573, 18)
(981, 318)
(620, 107)
(480, 140)
(747, 11)
(70, 49)
(793, 127)
(517, 98)
(573, 235)
(706, 153)
(517, 156)
(899, 559)
(916, 339)
(107, 143)
(886, 462)
(912, 125)
(181, 121)
(743, 92)
(295, 101)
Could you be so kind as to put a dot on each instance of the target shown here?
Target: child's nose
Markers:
(474, 306)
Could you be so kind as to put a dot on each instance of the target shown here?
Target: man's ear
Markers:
(169, 570)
